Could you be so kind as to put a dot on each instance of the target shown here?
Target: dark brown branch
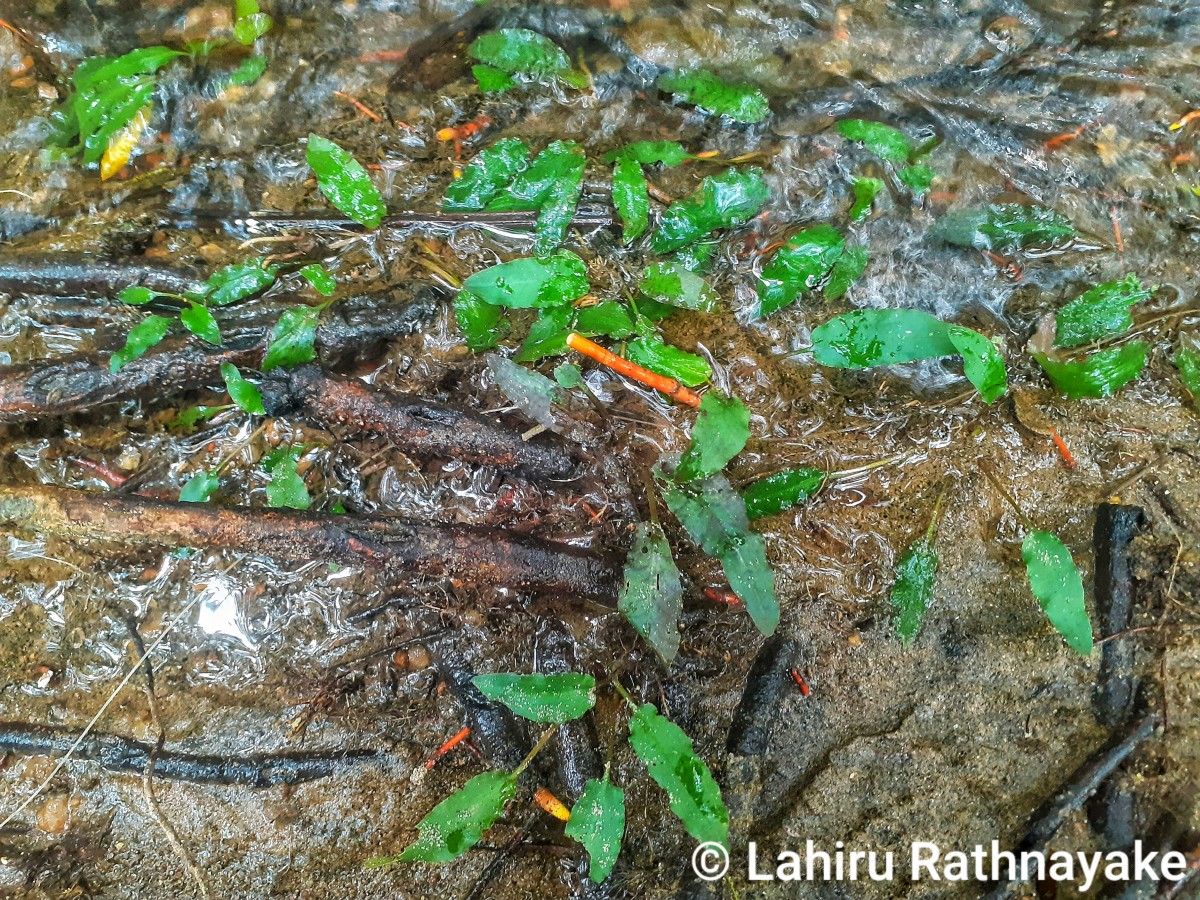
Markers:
(70, 275)
(270, 223)
(390, 547)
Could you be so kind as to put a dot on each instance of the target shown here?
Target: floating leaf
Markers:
(519, 51)
(1101, 374)
(523, 283)
(492, 80)
(882, 140)
(720, 433)
(598, 822)
(1098, 313)
(245, 395)
(456, 824)
(344, 182)
(318, 276)
(781, 491)
(799, 266)
(865, 192)
(1004, 227)
(238, 281)
(914, 586)
(671, 283)
(1187, 362)
(199, 488)
(287, 488)
(141, 338)
(667, 153)
(291, 339)
(1058, 587)
(485, 176)
(631, 197)
(918, 179)
(652, 596)
(722, 201)
(847, 270)
(711, 94)
(675, 767)
(653, 354)
(541, 698)
(481, 323)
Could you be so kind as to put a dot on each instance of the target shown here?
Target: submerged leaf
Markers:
(667, 153)
(292, 337)
(913, 589)
(982, 363)
(141, 338)
(1004, 227)
(523, 283)
(865, 192)
(200, 322)
(652, 596)
(320, 279)
(1187, 363)
(344, 182)
(631, 197)
(653, 354)
(1098, 313)
(244, 395)
(519, 51)
(598, 822)
(671, 283)
(675, 767)
(709, 93)
(1100, 374)
(882, 140)
(481, 323)
(847, 270)
(287, 488)
(485, 176)
(799, 266)
(1058, 587)
(199, 488)
(541, 698)
(918, 179)
(720, 433)
(781, 491)
(722, 201)
(492, 80)
(238, 281)
(456, 824)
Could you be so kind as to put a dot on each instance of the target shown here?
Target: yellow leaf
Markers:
(121, 144)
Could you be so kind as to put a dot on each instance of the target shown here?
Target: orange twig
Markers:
(360, 106)
(551, 804)
(447, 747)
(384, 56)
(1112, 214)
(805, 690)
(668, 386)
(1063, 449)
(1058, 140)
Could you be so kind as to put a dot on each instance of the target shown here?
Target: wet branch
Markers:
(70, 275)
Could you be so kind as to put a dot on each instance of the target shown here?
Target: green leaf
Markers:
(245, 395)
(598, 822)
(918, 179)
(344, 182)
(287, 488)
(1101, 374)
(200, 322)
(722, 201)
(318, 276)
(481, 323)
(630, 197)
(914, 586)
(704, 90)
(675, 767)
(238, 281)
(671, 283)
(249, 71)
(291, 339)
(250, 22)
(714, 516)
(720, 433)
(652, 596)
(193, 414)
(982, 363)
(880, 337)
(456, 824)
(799, 266)
(551, 184)
(541, 698)
(487, 174)
(696, 257)
(1187, 363)
(882, 140)
(847, 270)
(1098, 313)
(141, 338)
(647, 153)
(523, 283)
(781, 491)
(519, 51)
(492, 80)
(1058, 587)
(568, 376)
(136, 295)
(651, 353)
(199, 488)
(865, 191)
(548, 334)
(1004, 227)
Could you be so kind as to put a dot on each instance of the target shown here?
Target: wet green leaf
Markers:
(722, 201)
(630, 197)
(535, 186)
(136, 295)
(568, 376)
(1187, 363)
(696, 257)
(1100, 374)
(675, 767)
(523, 283)
(847, 270)
(199, 488)
(915, 573)
(187, 418)
(318, 276)
(799, 266)
(865, 192)
(1098, 313)
(671, 283)
(344, 182)
(482, 324)
(652, 596)
(541, 698)
(238, 281)
(291, 339)
(711, 94)
(142, 337)
(982, 363)
(456, 824)
(1004, 227)
(245, 395)
(1058, 587)
(653, 354)
(667, 153)
(548, 334)
(610, 319)
(882, 140)
(200, 322)
(519, 51)
(492, 80)
(781, 491)
(918, 179)
(286, 488)
(487, 174)
(250, 22)
(249, 71)
(720, 433)
(598, 822)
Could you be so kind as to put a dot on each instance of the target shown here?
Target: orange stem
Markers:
(1112, 214)
(447, 747)
(619, 364)
(805, 690)
(360, 106)
(1063, 449)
